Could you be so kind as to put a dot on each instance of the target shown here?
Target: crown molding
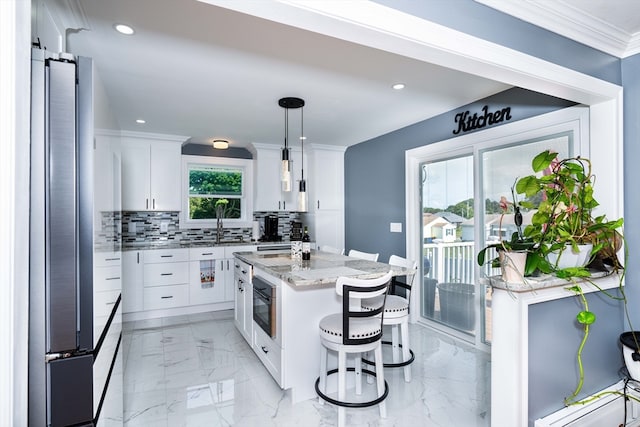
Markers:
(571, 22)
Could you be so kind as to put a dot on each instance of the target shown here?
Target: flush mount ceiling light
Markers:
(398, 86)
(141, 121)
(285, 169)
(124, 29)
(220, 144)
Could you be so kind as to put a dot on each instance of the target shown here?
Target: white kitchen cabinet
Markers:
(151, 173)
(243, 305)
(326, 177)
(229, 268)
(326, 195)
(132, 281)
(107, 193)
(267, 187)
(208, 278)
(166, 279)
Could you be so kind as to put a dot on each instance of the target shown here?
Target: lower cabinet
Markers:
(161, 279)
(166, 279)
(243, 299)
(207, 275)
(269, 353)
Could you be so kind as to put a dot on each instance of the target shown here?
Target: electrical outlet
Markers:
(132, 227)
(164, 227)
(395, 227)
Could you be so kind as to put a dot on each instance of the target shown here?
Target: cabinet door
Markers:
(135, 175)
(267, 187)
(165, 176)
(239, 291)
(329, 227)
(327, 185)
(207, 282)
(132, 281)
(229, 283)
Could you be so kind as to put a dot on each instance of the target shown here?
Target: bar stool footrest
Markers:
(352, 404)
(393, 365)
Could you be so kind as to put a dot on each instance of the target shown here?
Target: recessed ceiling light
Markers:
(141, 121)
(124, 29)
(398, 86)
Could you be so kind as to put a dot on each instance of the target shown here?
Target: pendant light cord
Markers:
(302, 141)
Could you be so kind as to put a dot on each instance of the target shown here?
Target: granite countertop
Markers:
(323, 269)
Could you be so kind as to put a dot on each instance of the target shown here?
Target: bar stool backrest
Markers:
(398, 261)
(353, 291)
(363, 255)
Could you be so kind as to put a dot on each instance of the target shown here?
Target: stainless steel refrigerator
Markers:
(63, 346)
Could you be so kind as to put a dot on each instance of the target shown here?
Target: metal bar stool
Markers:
(354, 331)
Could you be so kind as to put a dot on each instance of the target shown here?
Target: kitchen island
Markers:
(303, 293)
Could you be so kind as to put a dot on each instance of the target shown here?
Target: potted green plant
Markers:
(519, 256)
(561, 193)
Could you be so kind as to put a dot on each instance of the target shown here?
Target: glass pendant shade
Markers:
(285, 171)
(302, 196)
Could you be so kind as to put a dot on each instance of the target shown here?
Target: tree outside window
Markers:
(207, 185)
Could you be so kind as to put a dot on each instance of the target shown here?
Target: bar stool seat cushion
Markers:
(395, 306)
(331, 328)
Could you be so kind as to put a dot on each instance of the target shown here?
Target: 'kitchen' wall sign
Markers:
(467, 122)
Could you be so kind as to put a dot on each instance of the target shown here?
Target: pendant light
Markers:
(302, 193)
(285, 168)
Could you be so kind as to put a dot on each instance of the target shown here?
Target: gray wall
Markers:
(374, 170)
(374, 191)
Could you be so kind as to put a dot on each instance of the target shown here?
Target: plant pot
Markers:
(513, 264)
(631, 353)
(568, 258)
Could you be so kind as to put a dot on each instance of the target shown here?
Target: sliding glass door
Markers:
(452, 294)
(448, 290)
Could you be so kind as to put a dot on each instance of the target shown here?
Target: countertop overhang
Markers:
(323, 269)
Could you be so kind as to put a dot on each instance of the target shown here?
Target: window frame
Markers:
(246, 203)
(574, 119)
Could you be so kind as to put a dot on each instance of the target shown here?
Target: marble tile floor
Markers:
(197, 370)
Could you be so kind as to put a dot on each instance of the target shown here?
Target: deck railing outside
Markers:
(455, 262)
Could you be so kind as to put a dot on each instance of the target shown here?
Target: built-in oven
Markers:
(265, 307)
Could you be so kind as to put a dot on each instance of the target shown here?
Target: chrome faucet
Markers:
(219, 230)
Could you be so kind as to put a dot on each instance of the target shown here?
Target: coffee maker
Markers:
(271, 229)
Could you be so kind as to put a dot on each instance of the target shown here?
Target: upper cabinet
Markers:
(151, 177)
(107, 185)
(267, 188)
(326, 177)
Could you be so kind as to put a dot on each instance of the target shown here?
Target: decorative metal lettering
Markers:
(467, 122)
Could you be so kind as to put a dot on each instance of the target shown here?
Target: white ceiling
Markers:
(207, 72)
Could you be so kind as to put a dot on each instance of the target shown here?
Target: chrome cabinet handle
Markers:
(318, 204)
(154, 204)
(167, 297)
(146, 201)
(166, 274)
(207, 253)
(166, 256)
(113, 278)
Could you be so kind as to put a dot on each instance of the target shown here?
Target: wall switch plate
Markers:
(132, 227)
(164, 227)
(396, 227)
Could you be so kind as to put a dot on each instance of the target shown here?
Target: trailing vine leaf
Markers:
(586, 317)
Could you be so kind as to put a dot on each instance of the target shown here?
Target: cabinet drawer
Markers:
(269, 353)
(169, 273)
(107, 278)
(242, 270)
(159, 297)
(106, 259)
(166, 255)
(200, 254)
